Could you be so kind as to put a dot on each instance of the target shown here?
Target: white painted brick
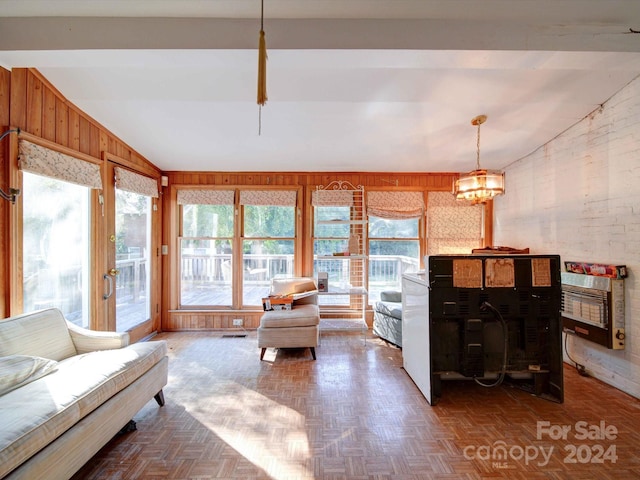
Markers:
(579, 197)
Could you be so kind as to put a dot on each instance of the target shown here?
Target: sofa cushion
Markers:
(392, 309)
(18, 370)
(39, 412)
(300, 316)
(43, 334)
(391, 296)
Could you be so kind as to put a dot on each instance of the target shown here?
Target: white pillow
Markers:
(18, 370)
(289, 286)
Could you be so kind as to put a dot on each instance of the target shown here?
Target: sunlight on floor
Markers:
(269, 435)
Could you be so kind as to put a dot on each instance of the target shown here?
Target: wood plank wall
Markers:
(378, 180)
(5, 98)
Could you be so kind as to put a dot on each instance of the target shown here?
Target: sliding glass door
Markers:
(133, 261)
(130, 213)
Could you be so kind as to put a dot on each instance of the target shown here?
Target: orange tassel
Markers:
(262, 70)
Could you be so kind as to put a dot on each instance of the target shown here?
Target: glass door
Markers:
(129, 218)
(133, 260)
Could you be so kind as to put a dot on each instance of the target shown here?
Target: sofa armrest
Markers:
(92, 340)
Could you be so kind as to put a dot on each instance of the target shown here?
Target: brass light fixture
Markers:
(479, 185)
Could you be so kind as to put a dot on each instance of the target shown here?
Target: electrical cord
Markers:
(16, 130)
(579, 367)
(487, 306)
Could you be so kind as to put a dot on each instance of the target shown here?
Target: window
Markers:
(394, 249)
(56, 226)
(268, 240)
(56, 246)
(206, 247)
(394, 238)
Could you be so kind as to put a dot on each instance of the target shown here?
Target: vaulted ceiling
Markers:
(353, 85)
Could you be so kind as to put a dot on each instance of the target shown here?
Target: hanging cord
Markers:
(17, 130)
(484, 307)
(579, 367)
(262, 69)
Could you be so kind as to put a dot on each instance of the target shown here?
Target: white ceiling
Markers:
(353, 85)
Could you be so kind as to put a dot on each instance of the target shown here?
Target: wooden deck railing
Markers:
(198, 270)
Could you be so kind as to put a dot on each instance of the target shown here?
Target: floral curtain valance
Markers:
(451, 218)
(134, 182)
(395, 205)
(50, 163)
(332, 198)
(281, 198)
(205, 197)
(453, 226)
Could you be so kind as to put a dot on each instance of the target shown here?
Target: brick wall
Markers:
(579, 196)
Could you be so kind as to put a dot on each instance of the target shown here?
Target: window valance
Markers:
(395, 205)
(134, 182)
(281, 198)
(206, 197)
(43, 161)
(332, 198)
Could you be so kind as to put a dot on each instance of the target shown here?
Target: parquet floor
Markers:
(355, 414)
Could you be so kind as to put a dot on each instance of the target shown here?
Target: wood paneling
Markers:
(5, 98)
(382, 180)
(62, 123)
(18, 105)
(210, 320)
(49, 115)
(34, 106)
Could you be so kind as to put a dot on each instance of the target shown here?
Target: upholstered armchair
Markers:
(294, 328)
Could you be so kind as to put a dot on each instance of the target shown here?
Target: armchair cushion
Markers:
(303, 315)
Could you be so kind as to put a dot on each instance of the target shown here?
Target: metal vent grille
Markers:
(586, 305)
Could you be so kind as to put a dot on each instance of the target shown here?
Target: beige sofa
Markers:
(295, 328)
(66, 391)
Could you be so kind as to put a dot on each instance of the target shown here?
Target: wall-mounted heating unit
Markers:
(593, 308)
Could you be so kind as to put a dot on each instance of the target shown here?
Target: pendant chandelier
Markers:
(479, 185)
